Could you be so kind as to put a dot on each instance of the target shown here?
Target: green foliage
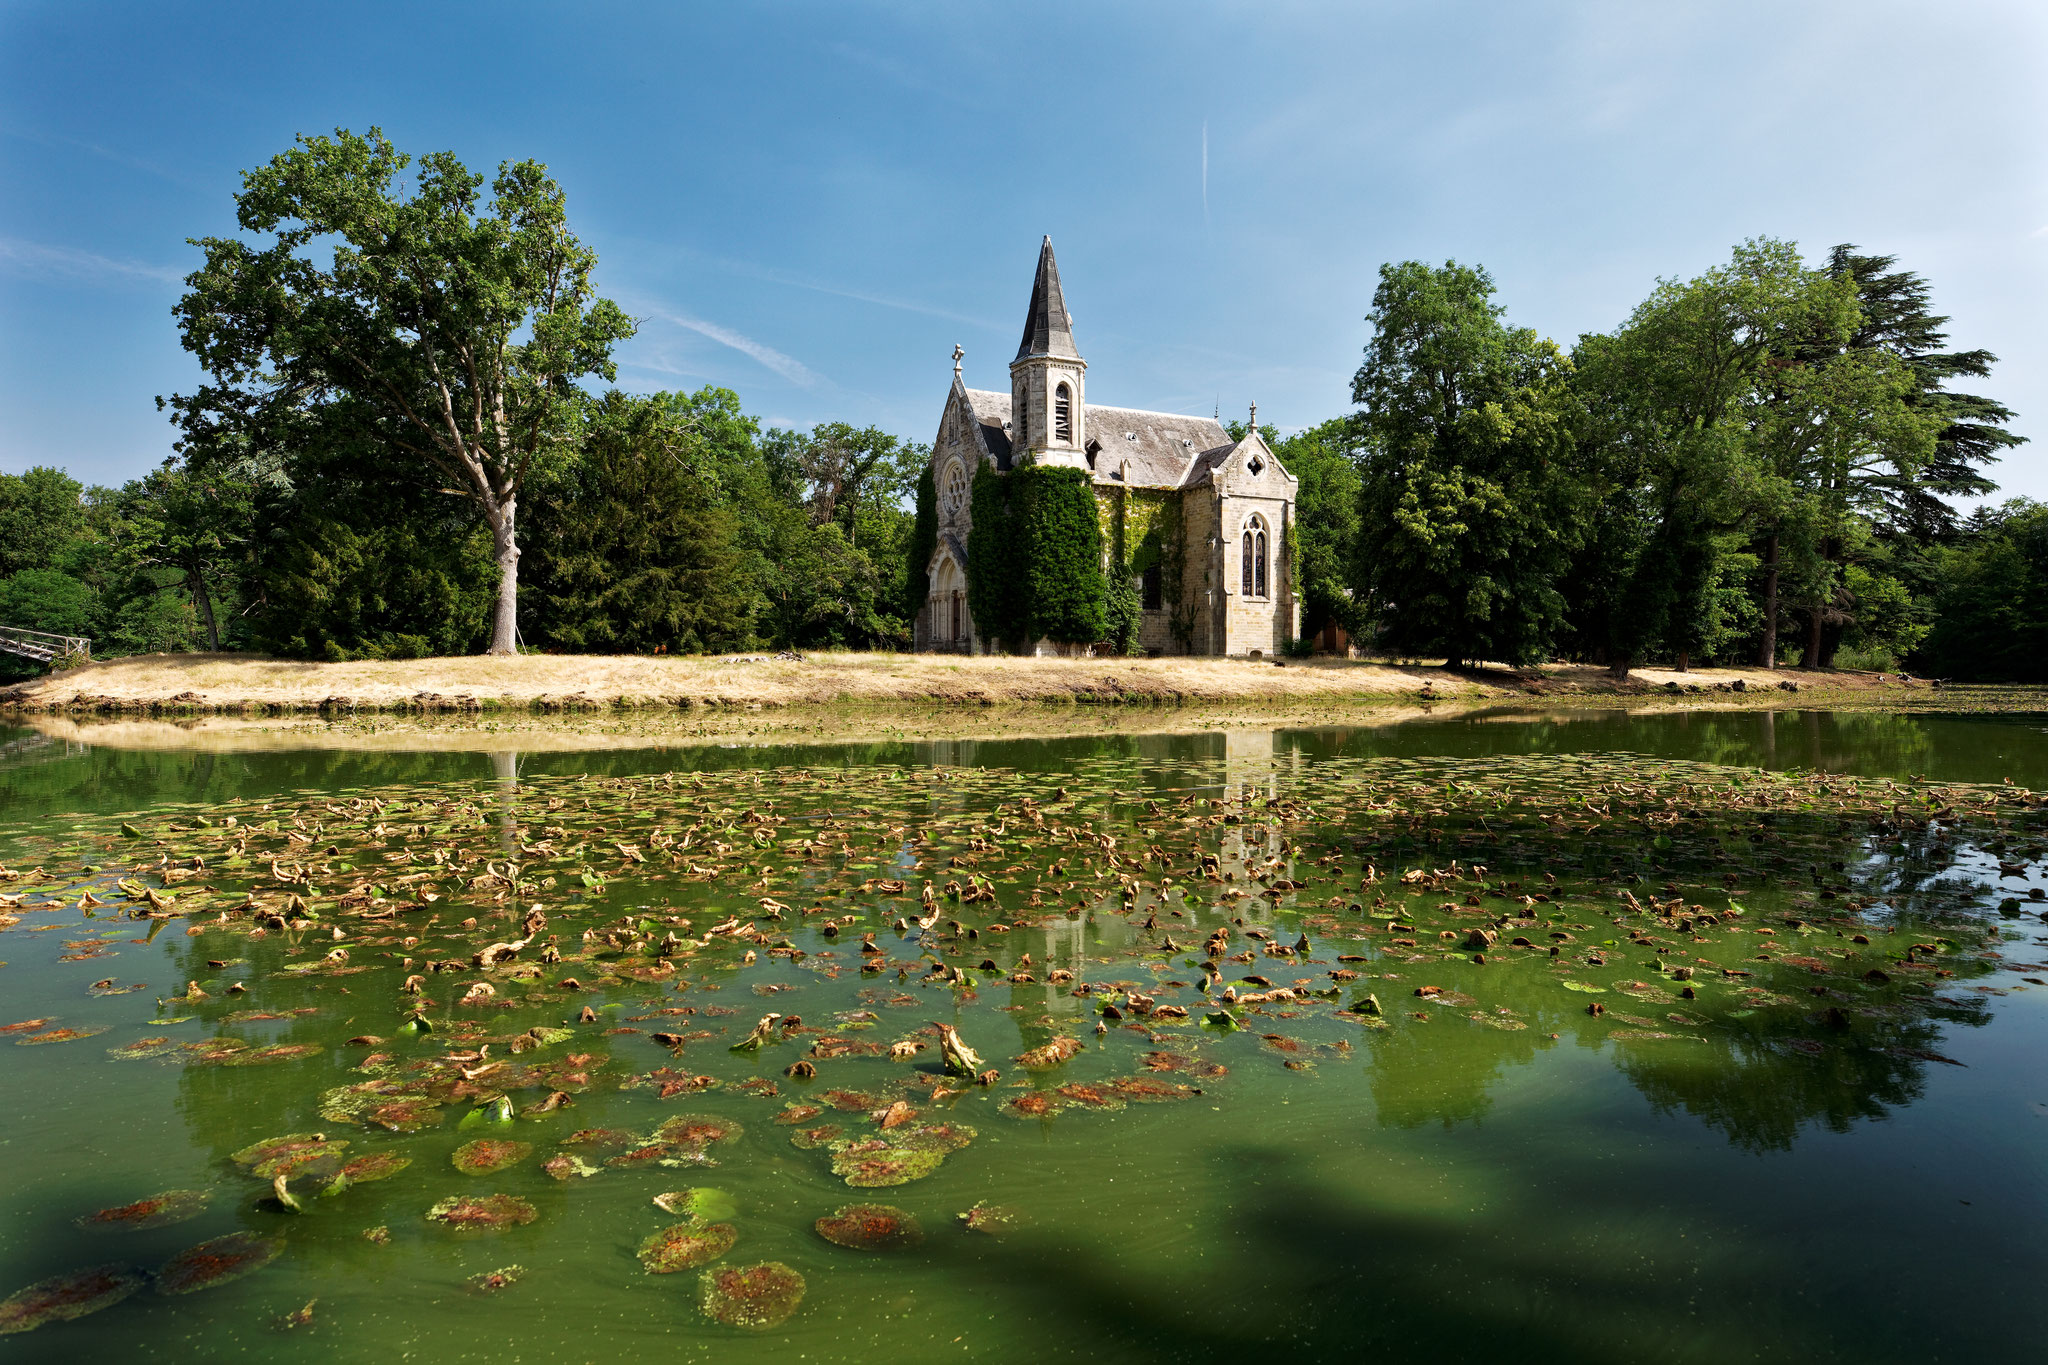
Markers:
(823, 593)
(1034, 556)
(632, 552)
(357, 307)
(1121, 604)
(924, 541)
(41, 513)
(1323, 542)
(994, 587)
(49, 600)
(1991, 621)
(1061, 542)
(1470, 504)
(406, 590)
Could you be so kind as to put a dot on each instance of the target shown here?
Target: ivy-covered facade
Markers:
(1187, 550)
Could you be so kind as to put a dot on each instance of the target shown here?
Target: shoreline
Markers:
(248, 686)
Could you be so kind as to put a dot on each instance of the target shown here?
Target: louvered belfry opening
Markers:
(1063, 415)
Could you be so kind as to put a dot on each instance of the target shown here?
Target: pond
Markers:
(1574, 1036)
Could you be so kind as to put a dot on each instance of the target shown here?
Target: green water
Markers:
(1747, 1177)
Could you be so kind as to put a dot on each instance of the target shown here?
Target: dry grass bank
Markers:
(205, 683)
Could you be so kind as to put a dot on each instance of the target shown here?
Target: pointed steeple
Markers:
(1047, 329)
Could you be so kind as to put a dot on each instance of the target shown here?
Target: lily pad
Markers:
(824, 1135)
(877, 1163)
(870, 1227)
(754, 1296)
(215, 1263)
(487, 1155)
(375, 1166)
(684, 1246)
(62, 1298)
(695, 1133)
(483, 1213)
(157, 1211)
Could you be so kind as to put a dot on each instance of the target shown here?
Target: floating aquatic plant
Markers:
(870, 1227)
(157, 1211)
(62, 1298)
(486, 1155)
(216, 1262)
(685, 1246)
(754, 1296)
(483, 1213)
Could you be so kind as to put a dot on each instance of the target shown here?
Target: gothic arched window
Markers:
(1254, 546)
(1063, 414)
(954, 495)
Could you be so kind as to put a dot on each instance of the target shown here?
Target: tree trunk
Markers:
(1684, 661)
(195, 583)
(1767, 648)
(1813, 624)
(1619, 669)
(505, 620)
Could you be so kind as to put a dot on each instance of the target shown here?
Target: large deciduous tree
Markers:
(1470, 501)
(408, 312)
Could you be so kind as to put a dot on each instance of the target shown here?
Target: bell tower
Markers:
(1048, 379)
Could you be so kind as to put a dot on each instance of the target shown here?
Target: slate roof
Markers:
(991, 411)
(1047, 328)
(1164, 449)
(1165, 444)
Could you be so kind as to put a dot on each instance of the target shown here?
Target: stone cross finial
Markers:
(957, 353)
(1255, 417)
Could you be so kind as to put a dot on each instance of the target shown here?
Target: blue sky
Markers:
(811, 203)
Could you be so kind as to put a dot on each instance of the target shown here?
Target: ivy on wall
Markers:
(1170, 530)
(1120, 601)
(991, 578)
(1034, 557)
(924, 538)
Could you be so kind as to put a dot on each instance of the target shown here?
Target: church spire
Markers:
(1048, 331)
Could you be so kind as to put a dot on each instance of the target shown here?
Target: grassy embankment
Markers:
(210, 683)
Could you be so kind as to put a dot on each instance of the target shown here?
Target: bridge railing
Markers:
(45, 647)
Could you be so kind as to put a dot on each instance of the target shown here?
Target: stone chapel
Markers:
(1213, 567)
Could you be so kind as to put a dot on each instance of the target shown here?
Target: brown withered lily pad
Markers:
(215, 1263)
(685, 1246)
(870, 1227)
(483, 1213)
(691, 1132)
(754, 1296)
(142, 1049)
(374, 1166)
(1051, 1054)
(62, 1035)
(877, 1163)
(824, 1135)
(851, 1101)
(319, 1161)
(486, 1155)
(256, 1153)
(1145, 1090)
(799, 1113)
(1085, 1095)
(1032, 1104)
(157, 1211)
(62, 1298)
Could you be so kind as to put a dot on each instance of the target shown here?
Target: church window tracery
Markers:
(1254, 556)
(953, 496)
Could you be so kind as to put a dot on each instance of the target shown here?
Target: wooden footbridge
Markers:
(44, 647)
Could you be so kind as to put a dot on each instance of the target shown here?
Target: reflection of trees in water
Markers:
(1761, 1093)
(1441, 1072)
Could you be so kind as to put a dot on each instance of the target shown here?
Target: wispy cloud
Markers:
(788, 367)
(62, 262)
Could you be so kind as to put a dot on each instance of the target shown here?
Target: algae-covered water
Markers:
(1575, 1037)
